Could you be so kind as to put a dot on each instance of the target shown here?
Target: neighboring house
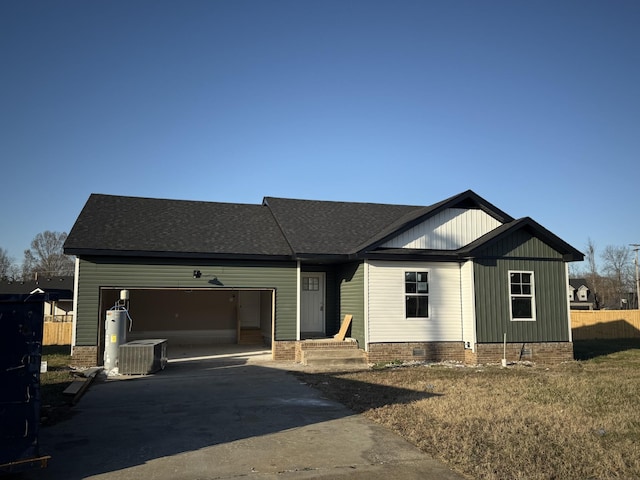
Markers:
(580, 295)
(440, 282)
(59, 304)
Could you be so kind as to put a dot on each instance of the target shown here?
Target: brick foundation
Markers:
(544, 352)
(284, 351)
(322, 344)
(416, 351)
(85, 356)
(291, 351)
(470, 357)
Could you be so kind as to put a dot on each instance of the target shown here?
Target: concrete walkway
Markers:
(223, 417)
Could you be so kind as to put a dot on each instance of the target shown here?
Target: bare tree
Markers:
(46, 257)
(8, 270)
(618, 267)
(592, 275)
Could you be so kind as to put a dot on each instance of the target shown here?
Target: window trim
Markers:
(416, 294)
(531, 296)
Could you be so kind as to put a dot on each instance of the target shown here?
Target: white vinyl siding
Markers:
(448, 230)
(387, 321)
(468, 305)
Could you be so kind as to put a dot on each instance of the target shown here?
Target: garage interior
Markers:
(207, 318)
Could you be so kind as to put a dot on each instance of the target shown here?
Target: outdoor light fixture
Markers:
(197, 274)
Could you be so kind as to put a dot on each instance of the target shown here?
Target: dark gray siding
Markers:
(521, 251)
(97, 272)
(521, 244)
(351, 281)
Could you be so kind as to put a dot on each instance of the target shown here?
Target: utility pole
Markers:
(636, 247)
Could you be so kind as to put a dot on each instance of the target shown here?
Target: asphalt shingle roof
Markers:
(158, 226)
(332, 228)
(61, 286)
(279, 228)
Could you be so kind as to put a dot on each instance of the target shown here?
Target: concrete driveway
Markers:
(239, 415)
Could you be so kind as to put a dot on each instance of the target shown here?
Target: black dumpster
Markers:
(21, 324)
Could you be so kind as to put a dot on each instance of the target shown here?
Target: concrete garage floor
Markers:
(223, 352)
(236, 414)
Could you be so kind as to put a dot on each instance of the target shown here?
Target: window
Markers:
(311, 284)
(521, 289)
(416, 290)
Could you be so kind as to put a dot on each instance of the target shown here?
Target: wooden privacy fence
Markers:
(57, 333)
(585, 324)
(605, 324)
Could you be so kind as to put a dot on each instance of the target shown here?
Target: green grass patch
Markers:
(54, 381)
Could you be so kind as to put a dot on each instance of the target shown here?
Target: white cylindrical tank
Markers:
(115, 334)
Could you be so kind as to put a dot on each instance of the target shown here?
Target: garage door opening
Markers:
(205, 318)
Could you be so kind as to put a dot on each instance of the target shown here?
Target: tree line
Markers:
(612, 279)
(45, 258)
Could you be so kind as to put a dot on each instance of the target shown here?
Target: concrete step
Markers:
(333, 357)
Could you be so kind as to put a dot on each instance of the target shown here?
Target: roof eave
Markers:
(88, 252)
(413, 254)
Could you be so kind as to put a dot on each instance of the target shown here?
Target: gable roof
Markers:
(279, 228)
(468, 199)
(576, 283)
(569, 253)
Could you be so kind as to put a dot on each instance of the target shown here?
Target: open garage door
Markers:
(196, 317)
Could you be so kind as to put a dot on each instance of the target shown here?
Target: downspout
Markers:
(470, 302)
(462, 309)
(298, 302)
(366, 306)
(566, 296)
(474, 316)
(76, 281)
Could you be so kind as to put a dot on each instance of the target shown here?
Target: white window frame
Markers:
(416, 294)
(531, 296)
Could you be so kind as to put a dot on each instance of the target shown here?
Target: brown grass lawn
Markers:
(576, 420)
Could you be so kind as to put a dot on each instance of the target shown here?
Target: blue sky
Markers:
(533, 105)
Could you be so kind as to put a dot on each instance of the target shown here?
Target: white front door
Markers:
(312, 303)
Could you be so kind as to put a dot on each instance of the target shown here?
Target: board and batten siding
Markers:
(351, 291)
(97, 272)
(387, 321)
(448, 230)
(521, 251)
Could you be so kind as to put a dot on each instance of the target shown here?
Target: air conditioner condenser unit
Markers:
(141, 357)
